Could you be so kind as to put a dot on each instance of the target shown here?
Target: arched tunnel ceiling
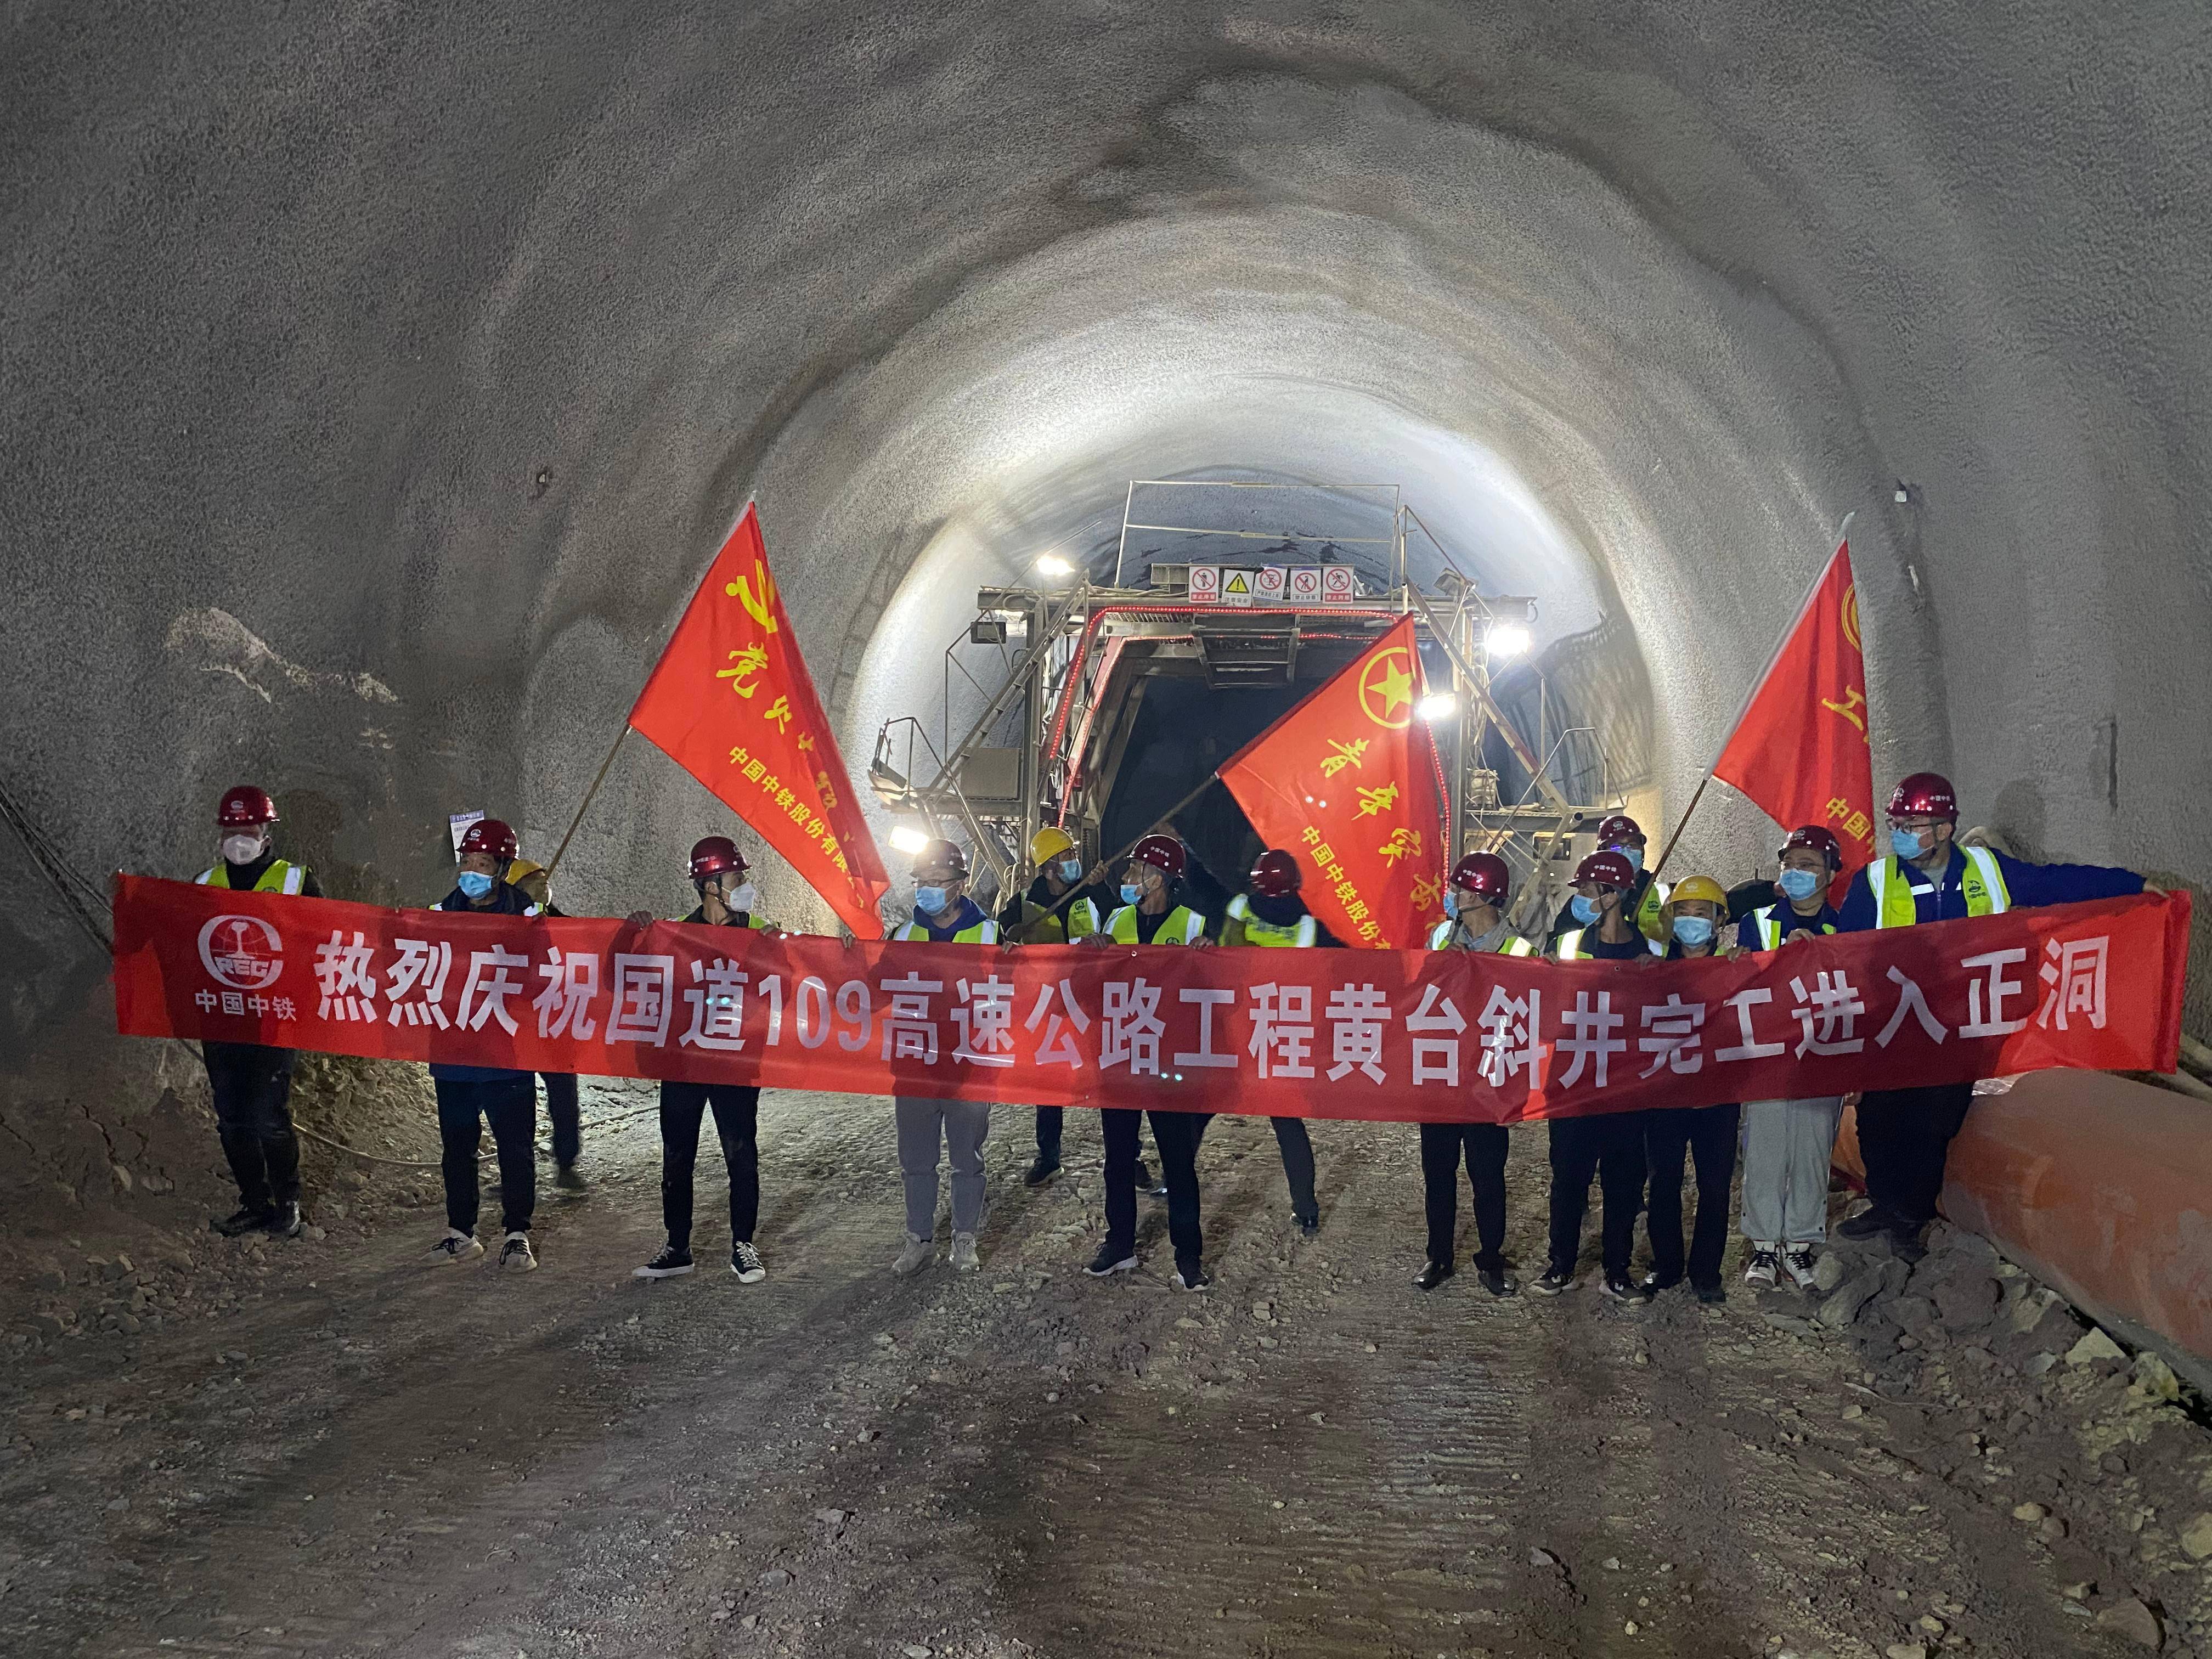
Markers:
(374, 385)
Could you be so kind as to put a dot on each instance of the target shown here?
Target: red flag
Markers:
(1800, 746)
(1348, 781)
(732, 703)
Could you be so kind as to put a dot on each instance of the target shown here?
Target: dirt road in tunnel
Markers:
(346, 1453)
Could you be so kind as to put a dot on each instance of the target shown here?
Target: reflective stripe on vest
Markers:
(278, 877)
(985, 931)
(1982, 882)
(1515, 946)
(1300, 933)
(1649, 920)
(1121, 927)
(1570, 946)
(1770, 930)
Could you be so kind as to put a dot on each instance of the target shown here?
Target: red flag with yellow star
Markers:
(1800, 749)
(1348, 782)
(732, 703)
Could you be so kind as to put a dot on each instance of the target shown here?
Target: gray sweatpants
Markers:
(964, 1125)
(1787, 1145)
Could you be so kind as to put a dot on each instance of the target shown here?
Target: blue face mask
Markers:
(929, 900)
(1633, 855)
(1070, 871)
(1131, 893)
(1585, 909)
(1906, 845)
(475, 884)
(1451, 903)
(1693, 930)
(1798, 884)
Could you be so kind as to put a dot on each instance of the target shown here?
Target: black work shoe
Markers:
(568, 1180)
(1146, 1185)
(284, 1221)
(1556, 1281)
(668, 1264)
(1110, 1261)
(242, 1221)
(1041, 1172)
(1709, 1291)
(1874, 1220)
(746, 1264)
(1192, 1277)
(1308, 1226)
(1656, 1283)
(1496, 1281)
(1627, 1291)
(1432, 1274)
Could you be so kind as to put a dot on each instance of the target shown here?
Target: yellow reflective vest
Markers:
(1181, 925)
(1042, 924)
(1770, 930)
(1570, 945)
(985, 931)
(1250, 930)
(280, 876)
(1440, 939)
(1983, 884)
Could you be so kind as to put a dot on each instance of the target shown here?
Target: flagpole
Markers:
(586, 804)
(1842, 535)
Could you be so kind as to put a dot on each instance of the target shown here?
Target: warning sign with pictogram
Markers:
(1236, 586)
(1339, 585)
(1205, 584)
(1304, 583)
(1267, 584)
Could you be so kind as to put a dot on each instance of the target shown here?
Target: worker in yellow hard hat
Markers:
(1061, 906)
(1696, 907)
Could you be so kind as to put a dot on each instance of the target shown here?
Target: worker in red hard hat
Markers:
(1606, 1145)
(1270, 915)
(943, 913)
(1153, 912)
(1789, 1144)
(469, 1097)
(1619, 833)
(1475, 898)
(1905, 1134)
(726, 897)
(251, 1083)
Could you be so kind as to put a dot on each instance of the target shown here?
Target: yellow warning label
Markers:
(1238, 584)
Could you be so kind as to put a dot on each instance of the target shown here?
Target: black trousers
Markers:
(1672, 1136)
(510, 1106)
(737, 1120)
(1905, 1136)
(1484, 1145)
(252, 1087)
(1609, 1145)
(565, 1114)
(1176, 1134)
(1049, 1122)
(1297, 1147)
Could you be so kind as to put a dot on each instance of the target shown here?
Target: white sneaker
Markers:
(1765, 1265)
(964, 1259)
(517, 1254)
(916, 1257)
(1797, 1263)
(454, 1247)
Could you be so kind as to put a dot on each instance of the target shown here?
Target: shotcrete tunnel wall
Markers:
(373, 388)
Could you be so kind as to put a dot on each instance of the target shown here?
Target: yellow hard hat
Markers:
(1050, 842)
(1698, 887)
(520, 868)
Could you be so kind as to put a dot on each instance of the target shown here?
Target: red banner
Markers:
(732, 703)
(1388, 1037)
(1347, 780)
(1800, 748)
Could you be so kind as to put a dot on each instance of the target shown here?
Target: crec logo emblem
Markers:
(243, 952)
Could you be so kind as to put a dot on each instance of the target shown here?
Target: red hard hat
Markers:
(492, 836)
(1924, 795)
(244, 808)
(1161, 852)
(1275, 874)
(944, 852)
(1819, 840)
(1618, 828)
(716, 856)
(1608, 866)
(1484, 875)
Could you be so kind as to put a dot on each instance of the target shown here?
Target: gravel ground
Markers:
(324, 1448)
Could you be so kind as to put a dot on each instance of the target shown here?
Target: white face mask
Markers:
(243, 848)
(740, 898)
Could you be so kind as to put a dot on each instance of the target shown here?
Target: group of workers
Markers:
(1616, 911)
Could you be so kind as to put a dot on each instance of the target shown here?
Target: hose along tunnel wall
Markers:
(375, 389)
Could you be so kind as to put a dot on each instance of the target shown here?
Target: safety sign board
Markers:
(1267, 584)
(1339, 585)
(1205, 584)
(1237, 586)
(1304, 583)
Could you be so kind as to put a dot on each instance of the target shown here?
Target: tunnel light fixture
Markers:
(1053, 565)
(906, 839)
(1508, 640)
(1438, 706)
